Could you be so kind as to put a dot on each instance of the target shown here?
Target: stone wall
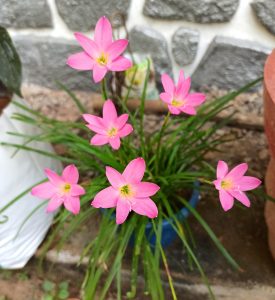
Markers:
(222, 42)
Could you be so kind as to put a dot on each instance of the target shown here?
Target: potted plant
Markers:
(141, 181)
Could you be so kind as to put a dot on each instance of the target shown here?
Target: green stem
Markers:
(104, 89)
(205, 181)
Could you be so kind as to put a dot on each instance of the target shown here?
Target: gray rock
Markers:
(44, 62)
(25, 14)
(185, 45)
(82, 15)
(146, 40)
(201, 11)
(230, 63)
(265, 11)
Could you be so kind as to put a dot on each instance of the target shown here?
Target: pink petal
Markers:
(181, 79)
(121, 120)
(241, 196)
(55, 202)
(167, 83)
(126, 130)
(190, 110)
(80, 61)
(226, 200)
(72, 204)
(109, 112)
(99, 72)
(184, 88)
(99, 140)
(222, 169)
(77, 190)
(238, 172)
(134, 171)
(165, 97)
(70, 174)
(54, 178)
(114, 177)
(122, 211)
(195, 99)
(120, 64)
(99, 130)
(146, 189)
(115, 142)
(44, 190)
(93, 120)
(103, 33)
(217, 184)
(117, 48)
(87, 44)
(145, 207)
(106, 198)
(174, 110)
(248, 183)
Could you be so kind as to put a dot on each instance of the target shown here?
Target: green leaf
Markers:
(48, 286)
(10, 70)
(64, 285)
(63, 294)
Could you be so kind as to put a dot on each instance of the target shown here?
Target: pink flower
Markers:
(61, 190)
(233, 184)
(110, 128)
(127, 192)
(178, 97)
(101, 54)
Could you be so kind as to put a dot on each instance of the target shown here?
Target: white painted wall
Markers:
(244, 25)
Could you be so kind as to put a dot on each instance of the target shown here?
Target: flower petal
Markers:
(99, 73)
(109, 112)
(117, 48)
(44, 190)
(238, 172)
(115, 142)
(72, 204)
(184, 88)
(99, 130)
(114, 177)
(121, 120)
(54, 178)
(222, 169)
(55, 202)
(103, 33)
(181, 79)
(70, 174)
(226, 200)
(165, 97)
(106, 198)
(126, 130)
(174, 110)
(99, 140)
(89, 46)
(93, 120)
(134, 171)
(77, 190)
(80, 61)
(145, 189)
(195, 99)
(248, 183)
(190, 110)
(241, 196)
(120, 64)
(122, 211)
(145, 207)
(167, 83)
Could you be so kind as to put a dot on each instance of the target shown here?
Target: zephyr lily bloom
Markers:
(101, 54)
(233, 184)
(178, 97)
(61, 190)
(127, 192)
(110, 128)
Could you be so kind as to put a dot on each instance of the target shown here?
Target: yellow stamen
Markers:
(126, 191)
(66, 188)
(177, 103)
(102, 59)
(226, 184)
(112, 132)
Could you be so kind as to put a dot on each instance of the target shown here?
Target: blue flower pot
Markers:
(168, 232)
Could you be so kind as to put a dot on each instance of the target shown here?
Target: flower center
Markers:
(126, 191)
(227, 184)
(112, 132)
(66, 188)
(177, 103)
(102, 59)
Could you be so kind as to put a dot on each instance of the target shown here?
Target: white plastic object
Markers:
(17, 174)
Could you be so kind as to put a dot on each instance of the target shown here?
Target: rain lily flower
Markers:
(233, 184)
(178, 97)
(101, 54)
(61, 190)
(127, 192)
(110, 128)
